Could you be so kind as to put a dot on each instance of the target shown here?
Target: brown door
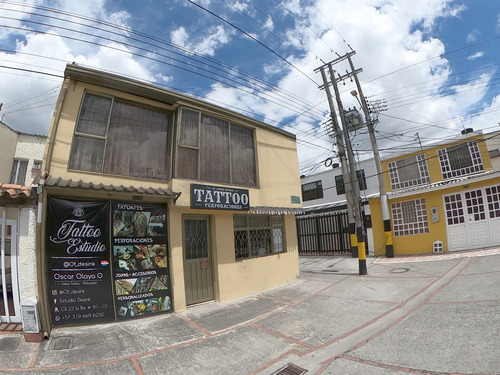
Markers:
(198, 275)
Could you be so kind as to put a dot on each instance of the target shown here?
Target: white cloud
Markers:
(475, 56)
(206, 44)
(472, 36)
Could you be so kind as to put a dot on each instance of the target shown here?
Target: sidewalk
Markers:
(429, 315)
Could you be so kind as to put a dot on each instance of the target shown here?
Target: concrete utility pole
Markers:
(389, 252)
(341, 149)
(353, 202)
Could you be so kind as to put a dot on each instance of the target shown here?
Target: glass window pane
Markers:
(94, 115)
(459, 156)
(187, 163)
(18, 172)
(243, 166)
(214, 149)
(137, 142)
(408, 169)
(189, 128)
(87, 154)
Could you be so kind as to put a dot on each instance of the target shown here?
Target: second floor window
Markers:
(460, 160)
(408, 172)
(18, 172)
(116, 137)
(340, 184)
(216, 150)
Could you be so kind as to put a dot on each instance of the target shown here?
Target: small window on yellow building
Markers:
(410, 217)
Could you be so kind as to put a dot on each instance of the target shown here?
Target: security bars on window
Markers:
(460, 160)
(258, 235)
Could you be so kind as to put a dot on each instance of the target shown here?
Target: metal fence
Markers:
(323, 234)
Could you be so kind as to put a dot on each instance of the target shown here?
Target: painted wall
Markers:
(278, 174)
(8, 139)
(31, 148)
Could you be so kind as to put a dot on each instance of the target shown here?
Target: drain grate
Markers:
(290, 370)
(9, 344)
(62, 343)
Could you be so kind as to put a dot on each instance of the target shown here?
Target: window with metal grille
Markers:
(409, 172)
(258, 235)
(18, 172)
(454, 209)
(493, 198)
(410, 217)
(459, 160)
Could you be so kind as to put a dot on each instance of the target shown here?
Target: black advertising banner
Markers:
(78, 262)
(140, 264)
(219, 198)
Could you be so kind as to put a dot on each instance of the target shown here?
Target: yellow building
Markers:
(442, 198)
(153, 201)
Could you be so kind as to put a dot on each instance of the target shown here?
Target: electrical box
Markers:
(354, 119)
(29, 315)
(434, 215)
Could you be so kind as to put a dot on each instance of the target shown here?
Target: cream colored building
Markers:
(133, 171)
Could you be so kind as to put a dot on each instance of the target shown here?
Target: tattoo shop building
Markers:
(153, 201)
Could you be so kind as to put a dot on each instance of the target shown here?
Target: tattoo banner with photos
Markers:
(140, 264)
(79, 276)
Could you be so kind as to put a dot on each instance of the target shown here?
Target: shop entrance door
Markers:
(198, 275)
(10, 309)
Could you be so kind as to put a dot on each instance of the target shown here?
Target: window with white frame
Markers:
(410, 217)
(459, 160)
(216, 150)
(18, 172)
(118, 137)
(408, 172)
(258, 235)
(493, 198)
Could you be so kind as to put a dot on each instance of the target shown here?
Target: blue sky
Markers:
(434, 62)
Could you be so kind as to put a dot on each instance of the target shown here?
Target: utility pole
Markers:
(389, 252)
(341, 150)
(355, 225)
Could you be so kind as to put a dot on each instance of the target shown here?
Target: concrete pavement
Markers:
(436, 314)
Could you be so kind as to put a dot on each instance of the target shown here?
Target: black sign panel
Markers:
(140, 262)
(78, 262)
(219, 198)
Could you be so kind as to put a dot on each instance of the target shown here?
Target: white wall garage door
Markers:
(473, 218)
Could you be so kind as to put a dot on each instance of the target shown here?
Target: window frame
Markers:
(273, 228)
(105, 137)
(446, 164)
(410, 223)
(395, 168)
(15, 176)
(180, 146)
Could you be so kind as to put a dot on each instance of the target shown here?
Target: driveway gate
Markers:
(323, 234)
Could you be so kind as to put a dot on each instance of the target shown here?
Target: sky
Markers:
(432, 66)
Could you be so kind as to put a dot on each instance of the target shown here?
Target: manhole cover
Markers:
(290, 370)
(61, 343)
(399, 270)
(9, 344)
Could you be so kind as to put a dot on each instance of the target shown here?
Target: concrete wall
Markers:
(31, 148)
(8, 140)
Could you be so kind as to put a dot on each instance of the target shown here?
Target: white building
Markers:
(22, 156)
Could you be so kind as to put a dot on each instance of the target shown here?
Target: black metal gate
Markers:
(323, 234)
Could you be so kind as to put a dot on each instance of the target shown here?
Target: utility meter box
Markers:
(29, 315)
